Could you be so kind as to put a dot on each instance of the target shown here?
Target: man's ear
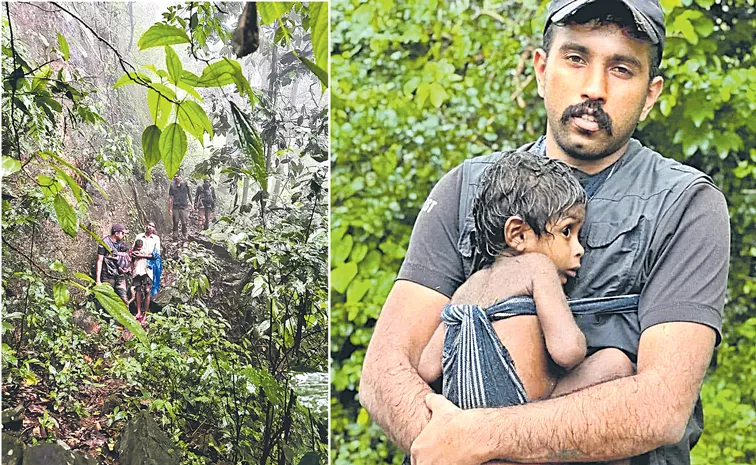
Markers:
(514, 233)
(654, 91)
(539, 66)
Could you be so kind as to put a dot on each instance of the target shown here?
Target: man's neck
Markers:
(553, 150)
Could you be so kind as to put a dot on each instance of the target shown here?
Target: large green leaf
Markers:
(173, 148)
(83, 277)
(342, 276)
(271, 11)
(116, 307)
(162, 34)
(320, 73)
(63, 45)
(45, 154)
(251, 145)
(219, 74)
(357, 290)
(50, 186)
(75, 188)
(131, 78)
(10, 166)
(194, 120)
(61, 294)
(160, 106)
(189, 77)
(173, 63)
(151, 146)
(319, 34)
(66, 215)
(189, 88)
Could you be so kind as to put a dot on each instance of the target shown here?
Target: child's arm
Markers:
(429, 367)
(564, 340)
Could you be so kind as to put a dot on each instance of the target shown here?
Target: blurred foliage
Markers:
(422, 86)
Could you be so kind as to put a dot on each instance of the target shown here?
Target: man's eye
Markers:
(566, 232)
(576, 59)
(623, 71)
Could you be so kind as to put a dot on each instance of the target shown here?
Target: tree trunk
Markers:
(273, 92)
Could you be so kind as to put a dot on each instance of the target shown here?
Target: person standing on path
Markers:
(179, 205)
(107, 268)
(151, 252)
(206, 195)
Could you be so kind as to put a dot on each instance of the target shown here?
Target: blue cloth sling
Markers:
(156, 263)
(478, 371)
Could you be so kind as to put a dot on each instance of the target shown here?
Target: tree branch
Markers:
(13, 91)
(121, 61)
(30, 260)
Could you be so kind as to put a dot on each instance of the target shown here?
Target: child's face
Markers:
(560, 242)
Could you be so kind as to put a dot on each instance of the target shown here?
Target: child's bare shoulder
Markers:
(507, 277)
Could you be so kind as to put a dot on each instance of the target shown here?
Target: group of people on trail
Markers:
(116, 264)
(179, 204)
(142, 264)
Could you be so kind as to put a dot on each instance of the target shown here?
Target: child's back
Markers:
(520, 259)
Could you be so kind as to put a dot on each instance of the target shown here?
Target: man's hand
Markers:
(441, 442)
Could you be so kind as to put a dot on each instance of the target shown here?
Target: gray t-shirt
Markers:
(180, 194)
(685, 269)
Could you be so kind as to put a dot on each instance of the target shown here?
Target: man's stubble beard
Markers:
(579, 151)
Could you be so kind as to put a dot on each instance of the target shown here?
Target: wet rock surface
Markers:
(13, 449)
(142, 442)
(54, 454)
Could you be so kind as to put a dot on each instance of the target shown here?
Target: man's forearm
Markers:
(610, 421)
(618, 419)
(394, 394)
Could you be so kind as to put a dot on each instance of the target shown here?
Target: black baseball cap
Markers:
(118, 227)
(648, 15)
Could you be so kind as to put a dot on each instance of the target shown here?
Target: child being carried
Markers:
(528, 213)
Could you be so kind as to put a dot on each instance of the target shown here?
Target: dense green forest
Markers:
(102, 104)
(420, 86)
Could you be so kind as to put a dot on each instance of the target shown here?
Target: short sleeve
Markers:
(688, 262)
(433, 259)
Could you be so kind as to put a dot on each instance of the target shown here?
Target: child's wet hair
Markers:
(538, 189)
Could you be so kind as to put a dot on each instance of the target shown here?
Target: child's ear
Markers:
(514, 233)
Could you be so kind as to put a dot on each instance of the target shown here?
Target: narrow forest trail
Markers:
(99, 123)
(99, 400)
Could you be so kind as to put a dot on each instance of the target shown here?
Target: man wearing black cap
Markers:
(653, 227)
(107, 261)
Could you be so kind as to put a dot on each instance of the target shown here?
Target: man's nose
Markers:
(594, 84)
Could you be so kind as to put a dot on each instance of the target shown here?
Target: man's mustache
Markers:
(592, 108)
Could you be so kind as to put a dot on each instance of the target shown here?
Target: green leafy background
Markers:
(421, 86)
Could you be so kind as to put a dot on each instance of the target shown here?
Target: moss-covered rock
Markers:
(13, 449)
(142, 442)
(54, 454)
